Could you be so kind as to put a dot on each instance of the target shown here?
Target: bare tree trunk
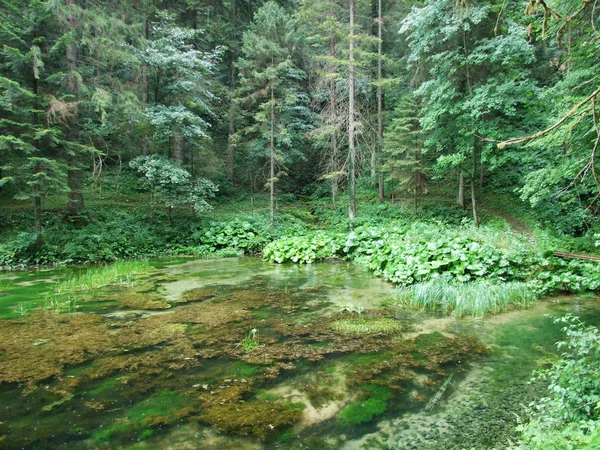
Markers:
(272, 168)
(379, 101)
(232, 108)
(352, 118)
(473, 197)
(333, 118)
(74, 173)
(460, 197)
(178, 146)
(145, 89)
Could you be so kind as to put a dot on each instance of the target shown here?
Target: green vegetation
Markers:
(569, 417)
(364, 411)
(250, 342)
(366, 325)
(477, 298)
(65, 294)
(403, 136)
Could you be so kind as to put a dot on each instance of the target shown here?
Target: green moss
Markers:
(430, 340)
(158, 410)
(366, 325)
(286, 436)
(244, 369)
(364, 411)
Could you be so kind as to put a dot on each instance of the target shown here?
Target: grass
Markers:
(366, 325)
(477, 299)
(250, 342)
(123, 273)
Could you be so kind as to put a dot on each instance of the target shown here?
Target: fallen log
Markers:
(576, 256)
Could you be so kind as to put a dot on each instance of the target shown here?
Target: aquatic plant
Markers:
(250, 342)
(366, 325)
(364, 411)
(477, 298)
(122, 273)
(349, 307)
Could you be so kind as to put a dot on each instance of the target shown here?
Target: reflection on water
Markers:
(238, 353)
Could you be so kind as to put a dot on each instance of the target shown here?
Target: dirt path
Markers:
(515, 224)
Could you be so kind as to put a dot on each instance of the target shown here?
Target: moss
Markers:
(365, 411)
(366, 325)
(157, 411)
(137, 300)
(257, 418)
(196, 295)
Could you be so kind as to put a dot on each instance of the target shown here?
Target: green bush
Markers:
(569, 417)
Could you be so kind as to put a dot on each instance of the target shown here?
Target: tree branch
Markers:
(529, 138)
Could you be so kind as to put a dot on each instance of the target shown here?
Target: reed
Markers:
(477, 298)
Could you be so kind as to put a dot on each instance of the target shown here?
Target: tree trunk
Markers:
(351, 119)
(74, 175)
(333, 118)
(37, 217)
(460, 197)
(178, 146)
(379, 100)
(145, 90)
(473, 197)
(272, 171)
(232, 109)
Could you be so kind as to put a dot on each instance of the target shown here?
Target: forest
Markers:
(171, 170)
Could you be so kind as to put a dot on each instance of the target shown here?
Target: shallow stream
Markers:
(242, 354)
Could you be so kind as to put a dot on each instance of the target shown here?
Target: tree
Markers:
(180, 85)
(269, 90)
(476, 82)
(403, 151)
(171, 185)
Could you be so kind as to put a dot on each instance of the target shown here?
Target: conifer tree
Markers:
(403, 151)
(269, 91)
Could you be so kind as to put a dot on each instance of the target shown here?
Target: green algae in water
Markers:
(158, 410)
(118, 411)
(365, 410)
(366, 325)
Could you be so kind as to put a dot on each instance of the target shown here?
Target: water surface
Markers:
(239, 353)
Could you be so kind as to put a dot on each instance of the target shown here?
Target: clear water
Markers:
(172, 362)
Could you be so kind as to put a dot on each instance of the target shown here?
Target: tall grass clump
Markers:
(477, 298)
(122, 273)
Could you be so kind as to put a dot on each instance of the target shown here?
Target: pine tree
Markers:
(269, 91)
(403, 151)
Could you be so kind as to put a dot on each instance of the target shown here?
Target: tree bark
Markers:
(178, 146)
(379, 101)
(333, 118)
(272, 168)
(460, 197)
(232, 109)
(74, 173)
(351, 119)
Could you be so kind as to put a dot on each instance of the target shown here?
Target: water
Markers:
(238, 353)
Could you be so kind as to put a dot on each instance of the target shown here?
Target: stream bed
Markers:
(242, 354)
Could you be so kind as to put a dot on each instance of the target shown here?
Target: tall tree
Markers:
(476, 84)
(269, 90)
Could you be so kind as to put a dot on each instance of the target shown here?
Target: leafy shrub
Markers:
(569, 417)
(234, 234)
(557, 275)
(304, 249)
